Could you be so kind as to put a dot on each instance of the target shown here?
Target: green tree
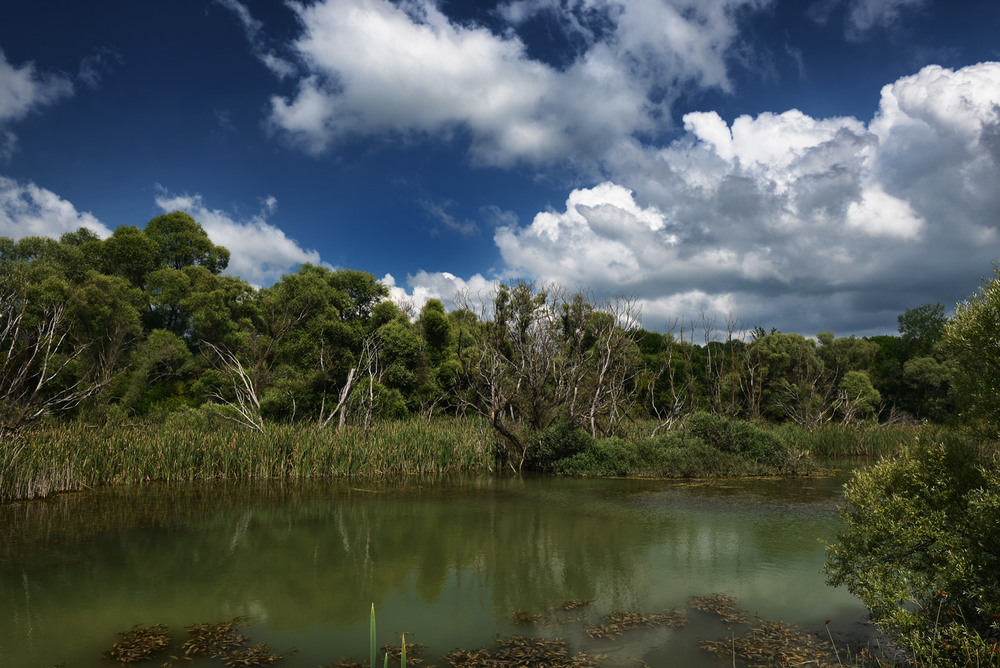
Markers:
(435, 329)
(972, 337)
(921, 549)
(51, 358)
(538, 357)
(130, 253)
(858, 397)
(921, 328)
(181, 242)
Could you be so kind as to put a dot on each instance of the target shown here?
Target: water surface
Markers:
(448, 560)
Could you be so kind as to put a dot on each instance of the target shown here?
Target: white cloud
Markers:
(259, 251)
(453, 291)
(784, 218)
(377, 67)
(253, 30)
(865, 15)
(879, 214)
(22, 90)
(29, 210)
(603, 237)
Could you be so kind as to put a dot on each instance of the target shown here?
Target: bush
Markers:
(608, 457)
(563, 439)
(673, 456)
(921, 549)
(737, 437)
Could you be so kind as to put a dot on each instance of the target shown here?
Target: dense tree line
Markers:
(144, 324)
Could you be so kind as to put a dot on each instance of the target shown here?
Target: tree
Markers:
(181, 242)
(130, 253)
(921, 328)
(972, 337)
(921, 549)
(44, 367)
(435, 329)
(538, 356)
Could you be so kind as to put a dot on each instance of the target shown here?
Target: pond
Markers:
(453, 563)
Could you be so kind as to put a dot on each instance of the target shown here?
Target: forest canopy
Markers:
(144, 324)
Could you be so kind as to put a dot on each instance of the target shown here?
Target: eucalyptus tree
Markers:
(301, 348)
(181, 241)
(129, 252)
(60, 343)
(536, 356)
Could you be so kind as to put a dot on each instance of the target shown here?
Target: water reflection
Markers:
(449, 559)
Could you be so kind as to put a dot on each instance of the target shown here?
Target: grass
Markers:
(868, 441)
(64, 456)
(60, 457)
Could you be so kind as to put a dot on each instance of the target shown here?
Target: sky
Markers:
(804, 165)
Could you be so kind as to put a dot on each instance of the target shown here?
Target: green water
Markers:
(449, 561)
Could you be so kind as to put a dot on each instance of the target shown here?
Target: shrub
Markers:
(737, 437)
(921, 549)
(608, 456)
(673, 456)
(559, 441)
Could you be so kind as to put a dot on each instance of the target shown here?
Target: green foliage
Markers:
(196, 444)
(436, 330)
(921, 328)
(921, 549)
(602, 457)
(859, 395)
(973, 339)
(559, 441)
(182, 242)
(737, 437)
(129, 253)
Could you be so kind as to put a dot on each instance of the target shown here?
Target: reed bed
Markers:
(870, 441)
(835, 440)
(61, 457)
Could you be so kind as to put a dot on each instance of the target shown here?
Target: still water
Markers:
(447, 560)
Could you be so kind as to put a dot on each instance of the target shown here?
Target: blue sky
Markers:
(808, 165)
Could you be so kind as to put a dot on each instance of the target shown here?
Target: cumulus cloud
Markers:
(28, 210)
(784, 218)
(453, 291)
(376, 67)
(259, 251)
(22, 90)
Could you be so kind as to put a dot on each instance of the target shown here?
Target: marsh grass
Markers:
(835, 441)
(63, 456)
(868, 441)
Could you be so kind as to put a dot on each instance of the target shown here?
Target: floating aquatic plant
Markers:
(520, 651)
(139, 644)
(774, 644)
(619, 621)
(722, 605)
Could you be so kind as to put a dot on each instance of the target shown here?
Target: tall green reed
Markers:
(66, 456)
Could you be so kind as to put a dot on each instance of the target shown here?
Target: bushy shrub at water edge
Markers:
(737, 437)
(921, 549)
